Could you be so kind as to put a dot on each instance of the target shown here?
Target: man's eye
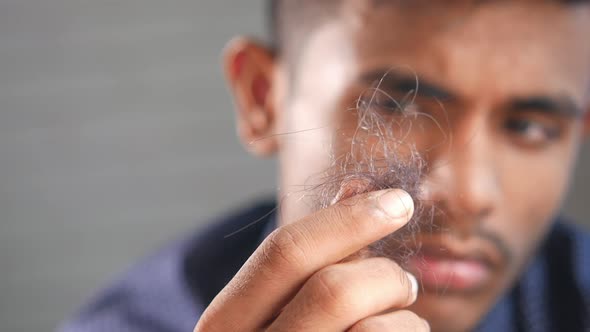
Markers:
(381, 104)
(531, 131)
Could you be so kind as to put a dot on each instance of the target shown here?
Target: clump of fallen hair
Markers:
(380, 157)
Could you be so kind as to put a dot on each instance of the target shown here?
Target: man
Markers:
(502, 92)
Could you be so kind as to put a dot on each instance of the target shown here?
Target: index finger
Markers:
(292, 253)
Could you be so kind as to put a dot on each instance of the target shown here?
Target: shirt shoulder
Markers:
(169, 290)
(568, 251)
(554, 293)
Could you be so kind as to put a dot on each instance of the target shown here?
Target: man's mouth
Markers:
(442, 274)
(453, 268)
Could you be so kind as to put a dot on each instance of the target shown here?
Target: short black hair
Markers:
(277, 18)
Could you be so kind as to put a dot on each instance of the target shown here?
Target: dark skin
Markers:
(516, 95)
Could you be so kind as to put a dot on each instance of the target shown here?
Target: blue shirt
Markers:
(169, 291)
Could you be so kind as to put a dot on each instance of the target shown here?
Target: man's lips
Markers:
(454, 266)
(449, 274)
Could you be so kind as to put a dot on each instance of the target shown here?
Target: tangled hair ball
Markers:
(381, 157)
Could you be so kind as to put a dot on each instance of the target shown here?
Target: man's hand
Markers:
(297, 280)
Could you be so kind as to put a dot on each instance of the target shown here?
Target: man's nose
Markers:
(463, 180)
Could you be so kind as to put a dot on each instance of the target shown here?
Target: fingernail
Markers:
(414, 284)
(397, 204)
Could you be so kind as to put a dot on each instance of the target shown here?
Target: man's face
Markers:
(501, 92)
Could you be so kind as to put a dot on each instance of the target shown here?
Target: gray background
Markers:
(116, 134)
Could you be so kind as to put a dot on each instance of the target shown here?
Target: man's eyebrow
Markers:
(562, 106)
(391, 81)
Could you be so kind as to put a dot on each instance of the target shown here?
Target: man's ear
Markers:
(249, 70)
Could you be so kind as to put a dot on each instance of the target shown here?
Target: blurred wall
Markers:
(116, 133)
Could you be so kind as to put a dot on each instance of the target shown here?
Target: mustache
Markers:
(480, 235)
(497, 243)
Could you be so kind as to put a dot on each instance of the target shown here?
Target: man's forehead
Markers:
(514, 39)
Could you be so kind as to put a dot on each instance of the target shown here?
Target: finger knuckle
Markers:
(334, 294)
(283, 249)
(387, 272)
(413, 322)
(390, 269)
